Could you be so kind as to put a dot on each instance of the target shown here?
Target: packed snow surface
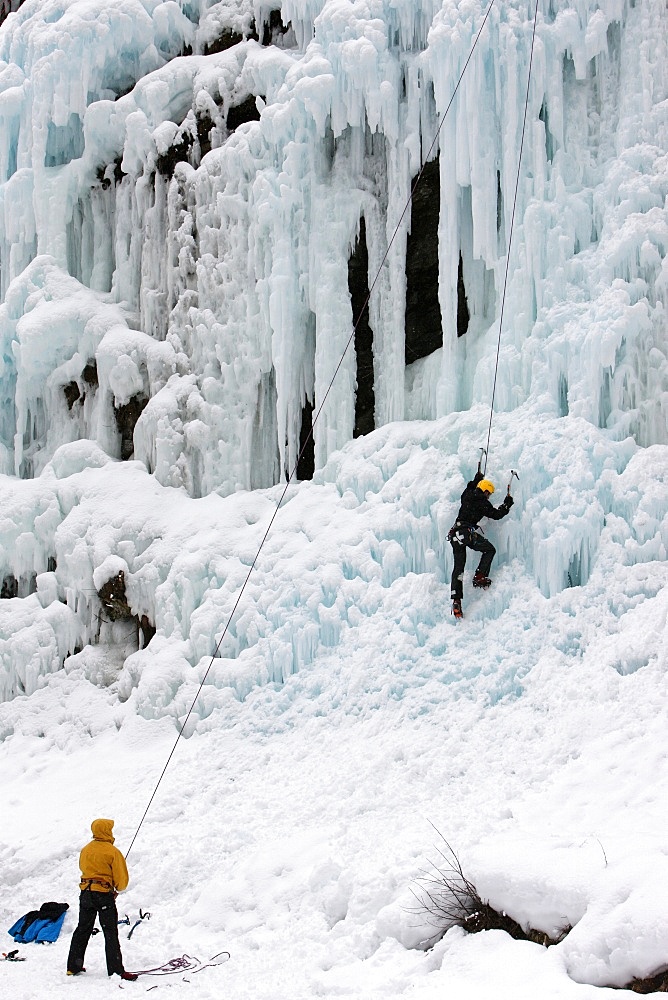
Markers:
(182, 185)
(347, 719)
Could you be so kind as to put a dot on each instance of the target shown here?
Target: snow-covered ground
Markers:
(291, 827)
(174, 289)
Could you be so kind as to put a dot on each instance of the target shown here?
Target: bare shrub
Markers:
(447, 898)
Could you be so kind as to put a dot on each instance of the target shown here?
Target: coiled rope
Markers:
(315, 419)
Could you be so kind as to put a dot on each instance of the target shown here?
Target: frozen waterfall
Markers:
(216, 198)
(196, 201)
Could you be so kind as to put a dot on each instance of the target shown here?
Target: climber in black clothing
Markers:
(464, 534)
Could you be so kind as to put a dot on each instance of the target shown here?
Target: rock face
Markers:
(126, 421)
(241, 113)
(424, 328)
(10, 587)
(113, 599)
(147, 630)
(358, 283)
(7, 7)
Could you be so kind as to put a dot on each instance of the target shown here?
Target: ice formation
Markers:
(144, 175)
(182, 188)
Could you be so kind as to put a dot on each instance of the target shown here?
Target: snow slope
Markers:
(291, 826)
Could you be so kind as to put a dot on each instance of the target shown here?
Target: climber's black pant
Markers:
(90, 905)
(463, 538)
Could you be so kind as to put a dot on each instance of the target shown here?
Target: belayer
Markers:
(103, 875)
(465, 534)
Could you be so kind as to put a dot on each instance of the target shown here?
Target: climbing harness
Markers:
(96, 881)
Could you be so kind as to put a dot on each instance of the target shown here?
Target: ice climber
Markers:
(103, 875)
(465, 534)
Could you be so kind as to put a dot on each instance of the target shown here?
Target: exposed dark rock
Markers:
(89, 373)
(113, 599)
(121, 91)
(306, 463)
(239, 114)
(118, 173)
(7, 7)
(225, 40)
(51, 564)
(104, 181)
(652, 984)
(147, 630)
(178, 152)
(486, 918)
(10, 587)
(463, 314)
(424, 333)
(274, 28)
(204, 126)
(72, 393)
(358, 285)
(126, 421)
(549, 142)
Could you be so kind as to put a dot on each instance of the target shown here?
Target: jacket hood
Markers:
(102, 830)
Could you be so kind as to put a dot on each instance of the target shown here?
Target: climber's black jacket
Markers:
(475, 505)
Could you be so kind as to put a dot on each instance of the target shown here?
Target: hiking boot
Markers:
(129, 976)
(71, 973)
(481, 581)
(457, 608)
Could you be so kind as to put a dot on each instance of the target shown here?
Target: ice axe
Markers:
(483, 451)
(512, 473)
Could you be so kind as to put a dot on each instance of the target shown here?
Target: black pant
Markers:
(90, 904)
(462, 539)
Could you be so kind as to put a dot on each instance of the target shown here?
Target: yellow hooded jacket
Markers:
(102, 865)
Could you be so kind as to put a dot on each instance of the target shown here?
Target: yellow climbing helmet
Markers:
(486, 486)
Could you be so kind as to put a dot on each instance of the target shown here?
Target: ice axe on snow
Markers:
(512, 473)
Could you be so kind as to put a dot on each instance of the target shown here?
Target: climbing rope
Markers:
(315, 419)
(510, 238)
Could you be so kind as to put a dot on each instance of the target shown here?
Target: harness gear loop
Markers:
(96, 881)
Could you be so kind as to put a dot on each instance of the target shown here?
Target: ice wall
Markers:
(180, 195)
(67, 358)
(216, 197)
(364, 544)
